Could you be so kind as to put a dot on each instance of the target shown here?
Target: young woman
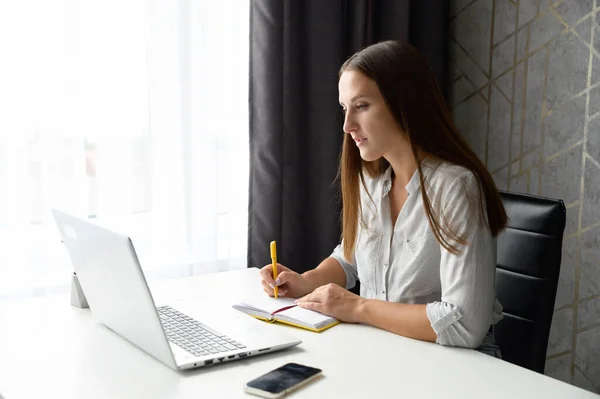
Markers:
(420, 212)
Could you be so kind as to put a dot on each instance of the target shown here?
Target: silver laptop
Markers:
(118, 295)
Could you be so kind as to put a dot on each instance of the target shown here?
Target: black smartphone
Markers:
(277, 383)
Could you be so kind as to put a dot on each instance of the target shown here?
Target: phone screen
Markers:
(283, 378)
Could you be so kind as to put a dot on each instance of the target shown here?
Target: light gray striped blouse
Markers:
(405, 263)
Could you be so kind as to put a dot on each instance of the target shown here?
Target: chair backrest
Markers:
(529, 256)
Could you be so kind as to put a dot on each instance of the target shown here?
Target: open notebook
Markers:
(285, 311)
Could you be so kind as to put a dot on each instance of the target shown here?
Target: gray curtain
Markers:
(296, 49)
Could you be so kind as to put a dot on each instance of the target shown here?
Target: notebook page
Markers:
(309, 317)
(266, 304)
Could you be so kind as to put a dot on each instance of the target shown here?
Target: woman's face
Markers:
(367, 117)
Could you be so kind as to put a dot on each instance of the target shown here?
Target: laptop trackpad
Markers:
(220, 317)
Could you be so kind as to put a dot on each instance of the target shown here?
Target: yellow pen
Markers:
(274, 259)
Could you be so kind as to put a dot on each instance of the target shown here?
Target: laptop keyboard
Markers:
(193, 336)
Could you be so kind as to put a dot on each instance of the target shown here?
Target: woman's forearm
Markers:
(403, 319)
(328, 271)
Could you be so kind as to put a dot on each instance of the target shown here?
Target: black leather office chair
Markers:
(529, 256)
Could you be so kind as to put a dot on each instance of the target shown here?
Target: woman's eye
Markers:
(362, 106)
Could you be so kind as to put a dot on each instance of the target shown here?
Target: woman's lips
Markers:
(359, 142)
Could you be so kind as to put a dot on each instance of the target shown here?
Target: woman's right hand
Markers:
(290, 284)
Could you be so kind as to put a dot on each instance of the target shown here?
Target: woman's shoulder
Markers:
(447, 175)
(451, 180)
(456, 189)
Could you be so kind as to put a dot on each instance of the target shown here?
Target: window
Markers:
(133, 114)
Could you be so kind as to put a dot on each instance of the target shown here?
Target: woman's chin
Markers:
(368, 156)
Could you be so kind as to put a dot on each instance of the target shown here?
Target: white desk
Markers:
(49, 349)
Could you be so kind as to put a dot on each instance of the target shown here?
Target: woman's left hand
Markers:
(333, 300)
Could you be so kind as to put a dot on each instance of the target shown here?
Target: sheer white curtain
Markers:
(133, 114)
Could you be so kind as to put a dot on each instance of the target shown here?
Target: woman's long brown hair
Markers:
(414, 98)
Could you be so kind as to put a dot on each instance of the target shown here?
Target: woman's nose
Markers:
(349, 123)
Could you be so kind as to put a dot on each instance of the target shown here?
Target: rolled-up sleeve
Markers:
(348, 266)
(463, 316)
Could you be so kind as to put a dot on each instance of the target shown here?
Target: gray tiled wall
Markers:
(526, 93)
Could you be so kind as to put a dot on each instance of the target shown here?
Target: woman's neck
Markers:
(404, 166)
